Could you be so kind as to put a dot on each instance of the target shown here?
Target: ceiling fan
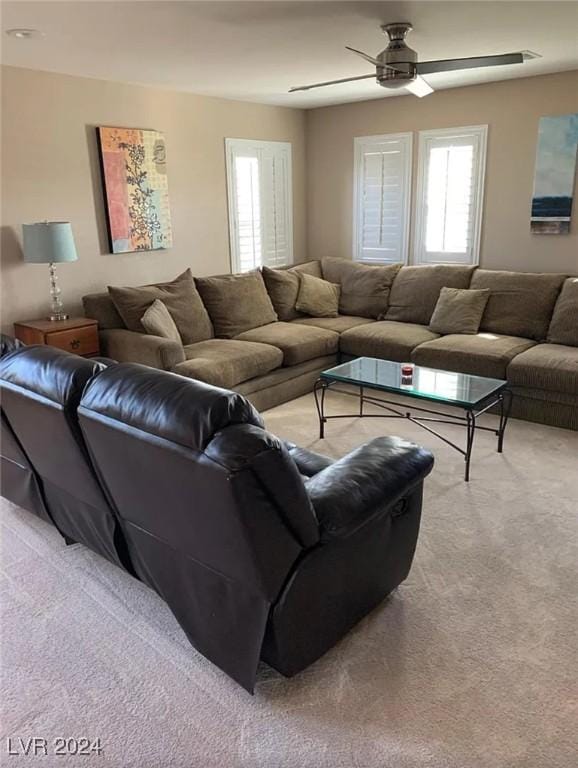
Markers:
(397, 65)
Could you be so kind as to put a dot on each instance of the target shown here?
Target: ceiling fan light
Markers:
(419, 87)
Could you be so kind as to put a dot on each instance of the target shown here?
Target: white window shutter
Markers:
(450, 195)
(260, 209)
(382, 197)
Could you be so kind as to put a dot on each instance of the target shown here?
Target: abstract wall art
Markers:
(555, 174)
(135, 187)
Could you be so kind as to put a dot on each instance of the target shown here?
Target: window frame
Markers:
(359, 144)
(425, 141)
(231, 147)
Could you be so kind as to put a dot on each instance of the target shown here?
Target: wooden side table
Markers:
(77, 334)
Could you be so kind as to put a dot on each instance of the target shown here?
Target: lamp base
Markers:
(58, 316)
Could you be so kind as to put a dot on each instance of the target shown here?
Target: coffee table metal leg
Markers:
(471, 431)
(505, 407)
(361, 401)
(319, 391)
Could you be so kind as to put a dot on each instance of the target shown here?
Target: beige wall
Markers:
(50, 171)
(511, 110)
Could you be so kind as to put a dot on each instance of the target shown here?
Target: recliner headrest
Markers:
(49, 372)
(167, 405)
(9, 344)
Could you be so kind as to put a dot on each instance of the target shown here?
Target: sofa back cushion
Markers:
(365, 288)
(415, 290)
(179, 296)
(520, 303)
(236, 303)
(283, 287)
(564, 326)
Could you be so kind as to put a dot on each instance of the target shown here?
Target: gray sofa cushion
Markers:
(415, 291)
(459, 310)
(385, 339)
(236, 303)
(485, 354)
(297, 342)
(564, 325)
(157, 321)
(317, 297)
(364, 288)
(520, 303)
(283, 287)
(226, 362)
(180, 297)
(551, 367)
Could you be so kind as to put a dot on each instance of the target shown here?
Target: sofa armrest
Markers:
(365, 483)
(132, 347)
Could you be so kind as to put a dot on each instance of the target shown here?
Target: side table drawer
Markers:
(81, 341)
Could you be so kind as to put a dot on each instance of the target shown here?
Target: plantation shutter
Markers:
(382, 197)
(260, 211)
(450, 195)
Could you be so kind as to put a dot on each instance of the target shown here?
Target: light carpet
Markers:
(471, 663)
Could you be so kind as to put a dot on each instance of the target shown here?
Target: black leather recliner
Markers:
(41, 388)
(262, 550)
(20, 483)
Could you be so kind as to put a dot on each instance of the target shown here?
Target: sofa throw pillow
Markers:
(317, 297)
(236, 303)
(415, 291)
(180, 297)
(157, 321)
(564, 325)
(520, 303)
(459, 310)
(283, 287)
(364, 287)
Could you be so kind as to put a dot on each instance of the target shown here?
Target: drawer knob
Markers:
(75, 343)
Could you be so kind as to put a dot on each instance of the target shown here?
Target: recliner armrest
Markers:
(131, 347)
(365, 483)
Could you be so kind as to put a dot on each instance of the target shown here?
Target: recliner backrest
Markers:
(19, 483)
(213, 507)
(41, 388)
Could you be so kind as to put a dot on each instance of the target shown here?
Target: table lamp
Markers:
(50, 242)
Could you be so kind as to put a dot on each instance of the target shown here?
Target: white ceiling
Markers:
(255, 51)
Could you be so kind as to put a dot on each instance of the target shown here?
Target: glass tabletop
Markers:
(426, 383)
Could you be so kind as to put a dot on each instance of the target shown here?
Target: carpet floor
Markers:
(471, 663)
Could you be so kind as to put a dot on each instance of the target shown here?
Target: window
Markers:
(382, 197)
(450, 191)
(260, 209)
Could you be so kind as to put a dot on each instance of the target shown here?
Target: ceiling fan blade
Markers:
(330, 82)
(370, 59)
(448, 65)
(419, 87)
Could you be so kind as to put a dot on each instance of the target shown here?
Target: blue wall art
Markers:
(555, 174)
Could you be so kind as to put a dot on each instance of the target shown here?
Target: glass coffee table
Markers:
(473, 395)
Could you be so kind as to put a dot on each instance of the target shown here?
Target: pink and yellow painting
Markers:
(136, 189)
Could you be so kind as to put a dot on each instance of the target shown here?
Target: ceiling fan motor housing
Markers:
(399, 55)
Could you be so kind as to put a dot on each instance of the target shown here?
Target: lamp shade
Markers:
(48, 242)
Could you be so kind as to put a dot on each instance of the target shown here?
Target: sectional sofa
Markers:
(245, 333)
